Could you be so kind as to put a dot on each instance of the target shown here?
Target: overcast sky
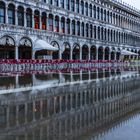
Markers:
(135, 3)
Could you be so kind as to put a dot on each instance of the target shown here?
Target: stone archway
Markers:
(93, 53)
(55, 55)
(100, 53)
(7, 47)
(66, 53)
(25, 48)
(76, 52)
(107, 53)
(85, 52)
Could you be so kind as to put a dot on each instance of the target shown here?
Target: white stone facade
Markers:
(81, 29)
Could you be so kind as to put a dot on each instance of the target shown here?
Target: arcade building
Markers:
(69, 29)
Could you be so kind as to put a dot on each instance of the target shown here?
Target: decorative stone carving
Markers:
(25, 42)
(6, 40)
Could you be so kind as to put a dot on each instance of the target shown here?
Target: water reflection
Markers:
(84, 110)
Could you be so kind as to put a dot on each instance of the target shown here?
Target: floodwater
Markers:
(102, 104)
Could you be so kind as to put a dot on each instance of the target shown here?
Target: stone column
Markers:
(97, 53)
(80, 53)
(47, 22)
(16, 52)
(40, 21)
(25, 19)
(33, 22)
(71, 53)
(16, 16)
(89, 53)
(6, 14)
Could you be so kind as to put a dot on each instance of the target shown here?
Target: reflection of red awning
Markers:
(125, 52)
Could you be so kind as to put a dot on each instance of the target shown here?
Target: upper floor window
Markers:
(62, 3)
(51, 22)
(56, 2)
(36, 19)
(2, 12)
(50, 1)
(73, 27)
(77, 6)
(11, 14)
(68, 4)
(20, 15)
(82, 7)
(29, 17)
(72, 5)
(44, 21)
(90, 10)
(86, 9)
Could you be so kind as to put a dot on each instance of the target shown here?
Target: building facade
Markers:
(80, 29)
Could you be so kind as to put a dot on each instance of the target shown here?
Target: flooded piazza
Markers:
(102, 104)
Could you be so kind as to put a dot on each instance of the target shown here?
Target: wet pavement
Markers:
(102, 104)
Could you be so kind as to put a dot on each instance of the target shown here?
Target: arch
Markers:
(7, 47)
(25, 48)
(2, 12)
(55, 55)
(86, 9)
(11, 14)
(93, 53)
(66, 53)
(20, 16)
(50, 22)
(63, 25)
(56, 26)
(37, 19)
(73, 27)
(44, 21)
(100, 53)
(76, 52)
(107, 50)
(85, 52)
(68, 26)
(29, 17)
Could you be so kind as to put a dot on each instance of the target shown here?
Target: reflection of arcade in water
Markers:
(68, 111)
(9, 81)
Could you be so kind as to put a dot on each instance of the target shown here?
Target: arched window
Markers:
(68, 4)
(44, 21)
(90, 10)
(77, 6)
(56, 29)
(91, 31)
(62, 25)
(86, 9)
(111, 17)
(72, 6)
(50, 22)
(87, 30)
(94, 11)
(37, 18)
(98, 33)
(105, 15)
(78, 28)
(20, 15)
(108, 16)
(68, 26)
(50, 1)
(56, 3)
(82, 7)
(62, 3)
(2, 12)
(73, 27)
(95, 32)
(102, 31)
(101, 14)
(83, 29)
(29, 17)
(11, 14)
(98, 13)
